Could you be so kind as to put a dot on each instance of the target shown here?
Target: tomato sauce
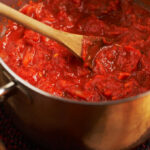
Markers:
(121, 67)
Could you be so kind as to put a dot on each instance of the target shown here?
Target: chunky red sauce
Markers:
(121, 67)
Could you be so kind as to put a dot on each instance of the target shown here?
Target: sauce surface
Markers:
(121, 67)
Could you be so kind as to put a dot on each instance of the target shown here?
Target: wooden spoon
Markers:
(74, 42)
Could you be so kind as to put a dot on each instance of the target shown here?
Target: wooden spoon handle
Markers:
(42, 28)
(28, 21)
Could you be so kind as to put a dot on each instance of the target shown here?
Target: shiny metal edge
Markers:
(7, 88)
(66, 100)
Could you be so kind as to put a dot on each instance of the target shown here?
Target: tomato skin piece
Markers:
(121, 68)
(123, 75)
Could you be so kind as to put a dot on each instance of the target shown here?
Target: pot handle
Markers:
(6, 89)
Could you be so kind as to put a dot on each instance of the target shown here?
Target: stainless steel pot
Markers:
(60, 123)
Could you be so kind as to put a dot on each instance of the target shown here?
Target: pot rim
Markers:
(18, 79)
